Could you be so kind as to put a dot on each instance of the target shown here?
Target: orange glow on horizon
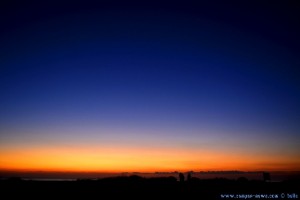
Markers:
(128, 159)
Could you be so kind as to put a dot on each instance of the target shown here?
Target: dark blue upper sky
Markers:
(229, 66)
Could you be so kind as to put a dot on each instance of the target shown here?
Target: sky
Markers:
(152, 86)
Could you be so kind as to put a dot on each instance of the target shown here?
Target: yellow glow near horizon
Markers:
(128, 159)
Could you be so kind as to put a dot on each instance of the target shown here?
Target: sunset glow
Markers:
(128, 159)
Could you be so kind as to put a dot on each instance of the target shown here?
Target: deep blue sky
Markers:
(179, 69)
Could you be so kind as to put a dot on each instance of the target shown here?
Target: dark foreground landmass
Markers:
(135, 186)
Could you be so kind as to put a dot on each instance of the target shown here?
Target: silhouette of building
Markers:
(181, 177)
(189, 176)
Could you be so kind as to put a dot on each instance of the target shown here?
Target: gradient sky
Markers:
(133, 86)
